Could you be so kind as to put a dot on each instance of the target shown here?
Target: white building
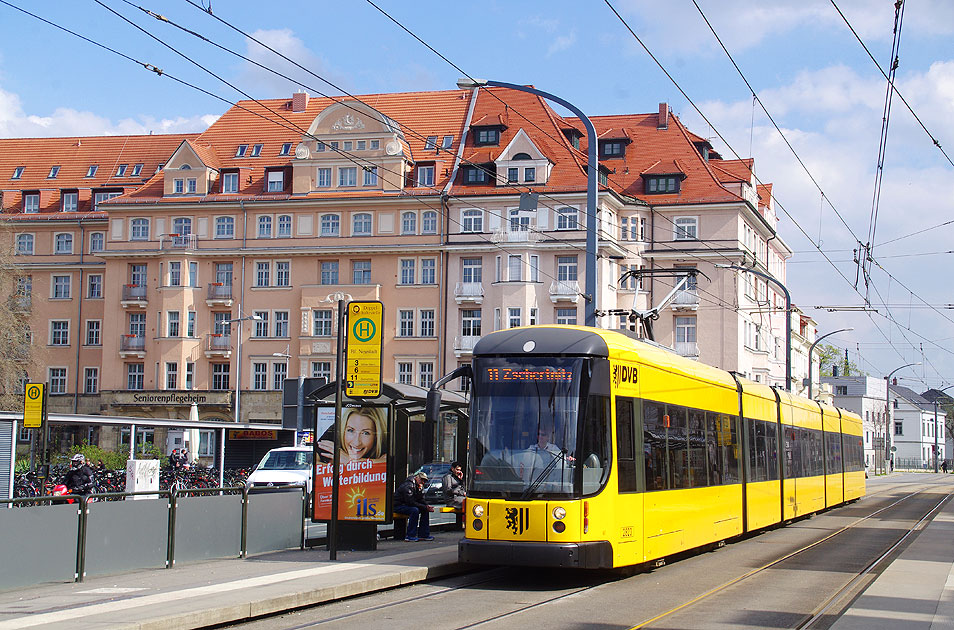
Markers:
(865, 395)
(916, 429)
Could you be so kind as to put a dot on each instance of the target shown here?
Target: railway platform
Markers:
(915, 591)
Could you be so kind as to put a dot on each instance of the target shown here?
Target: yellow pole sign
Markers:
(363, 359)
(33, 406)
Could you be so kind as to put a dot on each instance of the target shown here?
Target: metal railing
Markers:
(218, 342)
(177, 241)
(686, 297)
(505, 235)
(220, 291)
(464, 290)
(132, 343)
(565, 290)
(109, 514)
(465, 343)
(134, 292)
(686, 348)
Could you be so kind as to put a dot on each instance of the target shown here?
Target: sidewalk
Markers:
(917, 590)
(213, 592)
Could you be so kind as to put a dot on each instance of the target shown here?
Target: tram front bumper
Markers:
(585, 555)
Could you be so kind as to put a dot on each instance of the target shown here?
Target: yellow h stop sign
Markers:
(33, 406)
(363, 359)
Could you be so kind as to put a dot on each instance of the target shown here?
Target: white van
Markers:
(286, 466)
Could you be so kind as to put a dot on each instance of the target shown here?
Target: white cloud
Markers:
(267, 84)
(561, 43)
(64, 121)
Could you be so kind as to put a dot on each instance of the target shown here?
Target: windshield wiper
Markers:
(546, 470)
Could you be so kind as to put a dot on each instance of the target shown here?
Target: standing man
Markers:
(454, 493)
(409, 499)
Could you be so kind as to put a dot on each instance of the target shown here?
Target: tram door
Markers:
(630, 467)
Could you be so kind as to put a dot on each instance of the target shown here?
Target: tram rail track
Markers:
(808, 621)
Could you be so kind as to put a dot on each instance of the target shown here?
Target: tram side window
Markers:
(678, 447)
(793, 462)
(714, 452)
(698, 466)
(771, 451)
(595, 446)
(833, 453)
(654, 445)
(818, 452)
(756, 450)
(729, 429)
(855, 450)
(625, 445)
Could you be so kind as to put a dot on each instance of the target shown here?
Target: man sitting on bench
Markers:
(409, 499)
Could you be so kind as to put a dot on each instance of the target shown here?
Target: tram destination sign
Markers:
(363, 358)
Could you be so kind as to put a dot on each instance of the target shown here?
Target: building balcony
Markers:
(132, 346)
(564, 291)
(471, 292)
(688, 349)
(685, 300)
(515, 236)
(134, 296)
(464, 345)
(219, 295)
(177, 241)
(20, 303)
(218, 345)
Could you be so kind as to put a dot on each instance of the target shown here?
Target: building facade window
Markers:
(60, 332)
(428, 271)
(64, 244)
(514, 318)
(97, 242)
(175, 273)
(361, 271)
(409, 223)
(69, 202)
(471, 270)
(329, 225)
(281, 323)
(408, 272)
(566, 268)
(686, 228)
(25, 244)
(322, 323)
(230, 182)
(261, 324)
(172, 375)
(472, 221)
(425, 176)
(283, 273)
(93, 332)
(323, 179)
(321, 369)
(470, 324)
(61, 287)
(425, 374)
(566, 316)
(135, 375)
(91, 381)
(139, 230)
(405, 323)
(361, 224)
(566, 218)
(279, 373)
(259, 376)
(265, 227)
(429, 222)
(31, 203)
(284, 225)
(220, 376)
(347, 176)
(370, 175)
(427, 322)
(262, 274)
(405, 373)
(329, 272)
(57, 380)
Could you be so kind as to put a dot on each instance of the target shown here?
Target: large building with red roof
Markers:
(462, 211)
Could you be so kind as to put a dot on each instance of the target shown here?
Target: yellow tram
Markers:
(590, 449)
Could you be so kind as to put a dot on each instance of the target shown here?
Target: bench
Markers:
(400, 520)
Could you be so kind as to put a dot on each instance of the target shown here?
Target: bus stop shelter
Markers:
(10, 424)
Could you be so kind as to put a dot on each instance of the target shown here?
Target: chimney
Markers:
(663, 122)
(299, 101)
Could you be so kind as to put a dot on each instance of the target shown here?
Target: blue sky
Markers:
(805, 65)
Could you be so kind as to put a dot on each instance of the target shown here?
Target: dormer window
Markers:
(54, 171)
(513, 174)
(31, 202)
(612, 149)
(487, 137)
(475, 175)
(431, 143)
(91, 172)
(121, 170)
(185, 167)
(18, 172)
(275, 181)
(662, 184)
(256, 150)
(573, 135)
(241, 150)
(425, 176)
(137, 170)
(230, 182)
(447, 142)
(529, 174)
(286, 149)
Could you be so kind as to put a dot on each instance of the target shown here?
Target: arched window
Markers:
(139, 230)
(472, 220)
(521, 156)
(409, 223)
(182, 226)
(284, 225)
(329, 225)
(24, 244)
(265, 227)
(361, 224)
(429, 222)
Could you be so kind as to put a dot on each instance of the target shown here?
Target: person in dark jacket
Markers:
(79, 480)
(454, 493)
(409, 499)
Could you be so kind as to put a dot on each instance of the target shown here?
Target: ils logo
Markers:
(624, 374)
(518, 520)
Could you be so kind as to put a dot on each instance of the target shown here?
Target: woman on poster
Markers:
(363, 435)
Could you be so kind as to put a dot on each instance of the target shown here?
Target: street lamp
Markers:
(887, 413)
(238, 361)
(589, 297)
(936, 451)
(811, 349)
(788, 317)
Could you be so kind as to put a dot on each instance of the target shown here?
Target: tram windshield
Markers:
(524, 426)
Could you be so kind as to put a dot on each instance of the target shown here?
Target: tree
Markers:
(831, 356)
(20, 359)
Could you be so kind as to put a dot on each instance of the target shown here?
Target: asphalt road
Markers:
(708, 590)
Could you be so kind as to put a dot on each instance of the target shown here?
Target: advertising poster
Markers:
(363, 482)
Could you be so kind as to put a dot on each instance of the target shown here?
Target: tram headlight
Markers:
(478, 511)
(559, 513)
